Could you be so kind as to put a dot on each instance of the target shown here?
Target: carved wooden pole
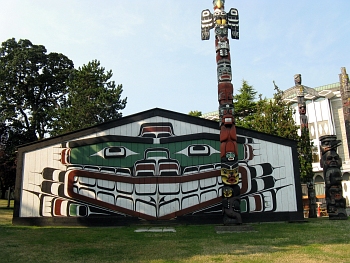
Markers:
(345, 97)
(222, 22)
(304, 129)
(331, 164)
(301, 102)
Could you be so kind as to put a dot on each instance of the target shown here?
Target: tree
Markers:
(32, 85)
(275, 117)
(195, 113)
(245, 105)
(10, 138)
(92, 99)
(305, 156)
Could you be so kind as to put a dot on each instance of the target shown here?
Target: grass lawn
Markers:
(318, 240)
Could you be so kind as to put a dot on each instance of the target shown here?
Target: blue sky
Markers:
(155, 50)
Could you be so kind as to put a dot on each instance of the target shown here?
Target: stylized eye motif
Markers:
(198, 150)
(114, 152)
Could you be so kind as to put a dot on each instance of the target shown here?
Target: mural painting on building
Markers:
(331, 164)
(153, 169)
(222, 22)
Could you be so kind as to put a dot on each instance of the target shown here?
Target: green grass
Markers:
(318, 240)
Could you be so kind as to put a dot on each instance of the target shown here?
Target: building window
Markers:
(315, 155)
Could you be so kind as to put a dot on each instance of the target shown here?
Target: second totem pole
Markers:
(305, 147)
(222, 23)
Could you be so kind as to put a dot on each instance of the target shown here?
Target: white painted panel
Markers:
(264, 151)
(87, 180)
(275, 155)
(88, 193)
(145, 188)
(64, 208)
(268, 201)
(146, 209)
(125, 187)
(106, 184)
(125, 203)
(169, 188)
(131, 129)
(105, 198)
(281, 204)
(189, 201)
(208, 182)
(47, 206)
(171, 207)
(54, 188)
(252, 206)
(207, 196)
(55, 175)
(189, 186)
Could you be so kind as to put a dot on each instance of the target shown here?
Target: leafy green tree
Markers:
(92, 99)
(10, 138)
(245, 105)
(195, 113)
(32, 85)
(275, 117)
(305, 156)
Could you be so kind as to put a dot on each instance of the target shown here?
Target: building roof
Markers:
(290, 95)
(326, 91)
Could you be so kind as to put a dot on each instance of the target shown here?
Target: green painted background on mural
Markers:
(83, 155)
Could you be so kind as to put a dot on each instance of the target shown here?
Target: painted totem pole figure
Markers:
(301, 102)
(304, 129)
(222, 22)
(331, 164)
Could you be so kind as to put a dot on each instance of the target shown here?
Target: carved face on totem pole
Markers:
(302, 108)
(328, 147)
(224, 72)
(227, 192)
(230, 176)
(327, 142)
(297, 79)
(332, 159)
(226, 114)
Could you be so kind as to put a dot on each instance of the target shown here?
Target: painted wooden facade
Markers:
(154, 165)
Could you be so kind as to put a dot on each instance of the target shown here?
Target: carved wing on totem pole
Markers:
(233, 23)
(207, 21)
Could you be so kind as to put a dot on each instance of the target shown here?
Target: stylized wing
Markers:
(233, 23)
(207, 22)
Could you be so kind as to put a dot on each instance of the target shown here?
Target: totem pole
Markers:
(301, 102)
(222, 22)
(305, 138)
(331, 164)
(345, 97)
